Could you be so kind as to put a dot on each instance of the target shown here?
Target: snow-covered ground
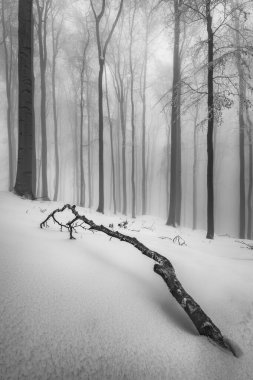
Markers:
(92, 308)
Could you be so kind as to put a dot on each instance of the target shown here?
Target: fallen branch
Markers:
(163, 268)
(248, 246)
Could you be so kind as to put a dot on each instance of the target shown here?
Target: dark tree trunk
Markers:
(24, 185)
(82, 181)
(210, 105)
(119, 172)
(111, 146)
(89, 141)
(195, 160)
(174, 165)
(101, 137)
(249, 199)
(178, 162)
(42, 39)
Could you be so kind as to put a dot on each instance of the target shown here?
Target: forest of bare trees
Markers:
(133, 107)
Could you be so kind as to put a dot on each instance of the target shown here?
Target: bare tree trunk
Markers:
(82, 181)
(24, 185)
(249, 199)
(55, 43)
(242, 206)
(89, 138)
(143, 146)
(123, 148)
(172, 218)
(111, 146)
(119, 162)
(210, 104)
(101, 60)
(178, 162)
(42, 11)
(131, 26)
(195, 161)
(8, 57)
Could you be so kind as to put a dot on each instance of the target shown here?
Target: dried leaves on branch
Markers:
(163, 268)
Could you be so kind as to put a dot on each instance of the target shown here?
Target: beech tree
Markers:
(175, 163)
(102, 48)
(43, 8)
(55, 50)
(10, 58)
(26, 166)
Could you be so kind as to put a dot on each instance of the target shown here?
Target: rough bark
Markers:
(249, 197)
(173, 210)
(26, 171)
(210, 105)
(163, 268)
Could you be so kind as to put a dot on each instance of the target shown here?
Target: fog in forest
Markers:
(156, 67)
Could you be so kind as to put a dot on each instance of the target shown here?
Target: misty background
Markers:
(71, 71)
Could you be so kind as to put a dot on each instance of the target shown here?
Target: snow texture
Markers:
(92, 308)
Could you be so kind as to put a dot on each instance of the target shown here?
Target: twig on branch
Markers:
(163, 268)
(247, 245)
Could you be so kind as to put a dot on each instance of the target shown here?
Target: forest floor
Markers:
(92, 308)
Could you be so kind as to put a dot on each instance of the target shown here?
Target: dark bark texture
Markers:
(175, 163)
(210, 105)
(26, 171)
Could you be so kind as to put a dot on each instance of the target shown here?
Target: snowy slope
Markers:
(94, 309)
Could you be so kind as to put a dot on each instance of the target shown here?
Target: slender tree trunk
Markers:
(111, 146)
(241, 123)
(195, 160)
(119, 172)
(42, 39)
(178, 161)
(8, 83)
(249, 198)
(82, 181)
(249, 229)
(77, 151)
(89, 139)
(210, 104)
(123, 149)
(132, 114)
(56, 146)
(143, 146)
(26, 147)
(174, 120)
(101, 136)
(133, 139)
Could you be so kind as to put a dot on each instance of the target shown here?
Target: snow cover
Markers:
(93, 308)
